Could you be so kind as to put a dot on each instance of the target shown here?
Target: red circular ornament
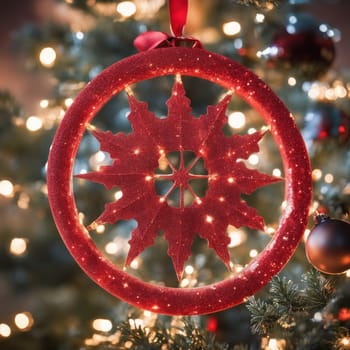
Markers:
(237, 79)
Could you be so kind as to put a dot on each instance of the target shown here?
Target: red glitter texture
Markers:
(136, 157)
(236, 79)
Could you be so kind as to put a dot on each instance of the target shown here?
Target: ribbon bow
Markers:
(153, 39)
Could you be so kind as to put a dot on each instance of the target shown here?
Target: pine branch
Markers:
(318, 290)
(159, 337)
(264, 316)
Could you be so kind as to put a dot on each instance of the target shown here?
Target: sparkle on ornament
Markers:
(126, 8)
(23, 321)
(6, 188)
(231, 28)
(102, 325)
(47, 57)
(118, 195)
(34, 123)
(236, 120)
(5, 330)
(18, 246)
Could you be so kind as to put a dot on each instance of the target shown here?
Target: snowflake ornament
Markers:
(143, 159)
(137, 155)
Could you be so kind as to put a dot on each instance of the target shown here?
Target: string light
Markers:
(231, 28)
(276, 172)
(18, 246)
(236, 120)
(44, 103)
(253, 159)
(237, 237)
(102, 325)
(253, 253)
(34, 123)
(47, 57)
(5, 330)
(6, 188)
(126, 8)
(24, 321)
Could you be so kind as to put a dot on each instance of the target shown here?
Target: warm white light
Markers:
(126, 8)
(18, 246)
(44, 103)
(100, 229)
(23, 201)
(68, 102)
(189, 269)
(6, 188)
(292, 81)
(47, 57)
(102, 325)
(34, 123)
(5, 330)
(273, 344)
(231, 28)
(253, 253)
(276, 172)
(328, 178)
(236, 120)
(259, 18)
(111, 248)
(316, 174)
(253, 159)
(118, 195)
(209, 219)
(23, 320)
(237, 237)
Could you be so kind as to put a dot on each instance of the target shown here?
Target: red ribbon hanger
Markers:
(178, 15)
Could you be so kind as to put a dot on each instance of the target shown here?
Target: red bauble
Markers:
(227, 178)
(328, 245)
(300, 46)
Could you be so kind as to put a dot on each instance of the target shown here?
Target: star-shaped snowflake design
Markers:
(136, 158)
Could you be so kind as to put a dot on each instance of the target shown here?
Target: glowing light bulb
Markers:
(18, 246)
(102, 325)
(24, 321)
(253, 159)
(253, 253)
(47, 57)
(126, 8)
(6, 188)
(5, 330)
(34, 123)
(236, 120)
(231, 28)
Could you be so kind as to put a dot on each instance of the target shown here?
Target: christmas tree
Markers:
(48, 302)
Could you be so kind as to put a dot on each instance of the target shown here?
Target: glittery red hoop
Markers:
(232, 76)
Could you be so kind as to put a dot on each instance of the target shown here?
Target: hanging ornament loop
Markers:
(178, 15)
